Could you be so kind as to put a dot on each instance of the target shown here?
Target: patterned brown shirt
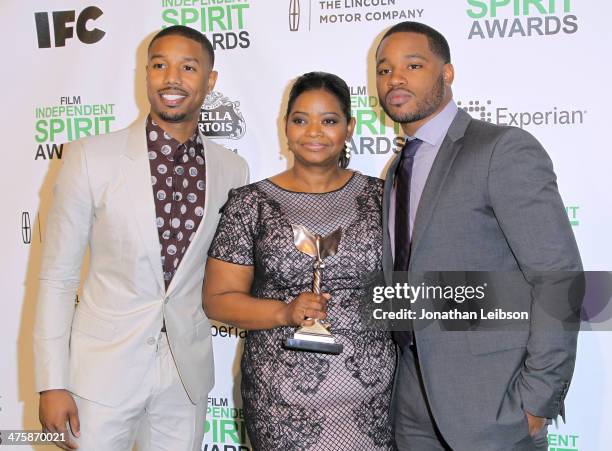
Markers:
(178, 178)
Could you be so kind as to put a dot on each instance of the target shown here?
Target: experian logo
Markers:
(484, 110)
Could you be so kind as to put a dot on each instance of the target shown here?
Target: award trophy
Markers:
(315, 338)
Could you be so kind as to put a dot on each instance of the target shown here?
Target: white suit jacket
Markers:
(101, 348)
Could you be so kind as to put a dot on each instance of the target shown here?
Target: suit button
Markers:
(166, 300)
(151, 341)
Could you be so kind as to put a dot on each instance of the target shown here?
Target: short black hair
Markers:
(331, 83)
(437, 42)
(189, 33)
(322, 80)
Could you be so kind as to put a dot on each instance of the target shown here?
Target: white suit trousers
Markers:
(158, 417)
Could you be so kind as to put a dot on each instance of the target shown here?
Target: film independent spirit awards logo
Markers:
(220, 117)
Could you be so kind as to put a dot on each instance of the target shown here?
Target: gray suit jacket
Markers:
(491, 203)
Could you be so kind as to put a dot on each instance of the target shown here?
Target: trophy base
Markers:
(314, 338)
(298, 344)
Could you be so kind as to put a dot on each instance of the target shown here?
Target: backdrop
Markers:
(74, 68)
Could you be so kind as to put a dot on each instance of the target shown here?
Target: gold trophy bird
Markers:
(317, 337)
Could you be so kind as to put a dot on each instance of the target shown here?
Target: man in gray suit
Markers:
(466, 195)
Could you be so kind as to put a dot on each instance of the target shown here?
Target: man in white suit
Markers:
(135, 353)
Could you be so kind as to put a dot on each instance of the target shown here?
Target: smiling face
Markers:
(413, 82)
(317, 128)
(179, 76)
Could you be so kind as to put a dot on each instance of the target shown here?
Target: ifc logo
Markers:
(62, 31)
(294, 15)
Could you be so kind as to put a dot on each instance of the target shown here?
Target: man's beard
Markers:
(172, 118)
(424, 108)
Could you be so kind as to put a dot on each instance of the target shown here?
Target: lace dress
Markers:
(296, 400)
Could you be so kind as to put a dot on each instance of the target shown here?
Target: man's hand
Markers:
(56, 408)
(535, 423)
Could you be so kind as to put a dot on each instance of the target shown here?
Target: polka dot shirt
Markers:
(178, 178)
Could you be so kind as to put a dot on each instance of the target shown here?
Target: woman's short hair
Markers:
(327, 82)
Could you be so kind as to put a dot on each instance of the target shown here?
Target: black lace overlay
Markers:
(299, 400)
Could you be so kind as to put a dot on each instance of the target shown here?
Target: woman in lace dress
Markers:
(258, 280)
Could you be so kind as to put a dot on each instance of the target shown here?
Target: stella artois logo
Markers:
(220, 117)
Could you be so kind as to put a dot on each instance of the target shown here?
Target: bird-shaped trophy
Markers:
(317, 337)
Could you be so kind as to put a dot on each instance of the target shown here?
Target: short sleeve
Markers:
(234, 239)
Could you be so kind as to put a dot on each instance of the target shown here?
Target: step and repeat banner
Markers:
(76, 68)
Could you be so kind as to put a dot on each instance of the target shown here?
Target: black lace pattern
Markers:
(300, 400)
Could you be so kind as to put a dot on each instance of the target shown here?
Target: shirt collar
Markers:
(434, 130)
(193, 141)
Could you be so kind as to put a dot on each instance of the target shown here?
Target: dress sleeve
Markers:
(234, 239)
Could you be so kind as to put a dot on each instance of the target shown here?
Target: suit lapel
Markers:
(213, 191)
(140, 193)
(443, 162)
